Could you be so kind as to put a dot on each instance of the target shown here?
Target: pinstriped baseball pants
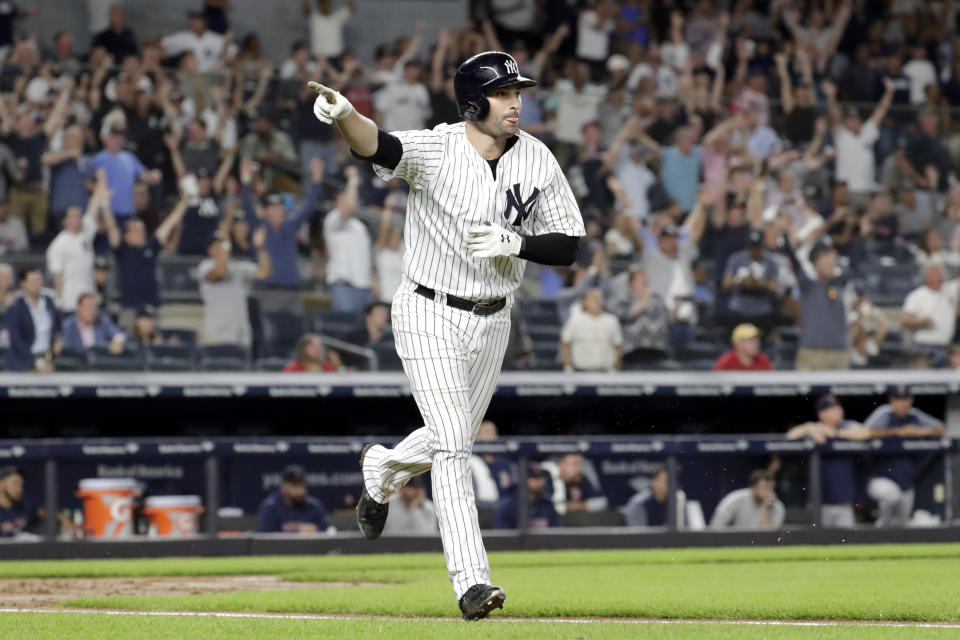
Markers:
(452, 359)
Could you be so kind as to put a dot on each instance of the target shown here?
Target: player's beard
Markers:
(498, 130)
(497, 126)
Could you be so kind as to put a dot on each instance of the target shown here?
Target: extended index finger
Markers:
(326, 92)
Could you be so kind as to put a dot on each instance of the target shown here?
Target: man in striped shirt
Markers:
(485, 198)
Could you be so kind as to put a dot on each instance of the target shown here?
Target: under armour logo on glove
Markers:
(515, 202)
(489, 241)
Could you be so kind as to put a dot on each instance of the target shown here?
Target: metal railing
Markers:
(212, 453)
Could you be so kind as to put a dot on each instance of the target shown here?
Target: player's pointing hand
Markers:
(329, 105)
(489, 241)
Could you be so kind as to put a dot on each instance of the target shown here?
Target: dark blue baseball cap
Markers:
(10, 470)
(898, 391)
(294, 474)
(826, 402)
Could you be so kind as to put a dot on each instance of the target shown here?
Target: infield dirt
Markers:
(39, 593)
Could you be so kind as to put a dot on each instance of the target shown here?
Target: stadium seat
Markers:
(387, 358)
(894, 338)
(699, 351)
(544, 332)
(888, 284)
(186, 337)
(177, 278)
(699, 364)
(336, 323)
(281, 330)
(70, 360)
(100, 359)
(784, 355)
(223, 357)
(271, 364)
(611, 518)
(169, 357)
(545, 351)
(540, 317)
(788, 335)
(485, 518)
(552, 364)
(651, 364)
(343, 522)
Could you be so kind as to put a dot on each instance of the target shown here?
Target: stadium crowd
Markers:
(776, 174)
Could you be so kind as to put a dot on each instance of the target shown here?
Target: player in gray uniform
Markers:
(485, 198)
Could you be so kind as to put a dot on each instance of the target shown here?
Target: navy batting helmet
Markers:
(481, 73)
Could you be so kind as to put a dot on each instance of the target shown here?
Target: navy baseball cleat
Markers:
(480, 600)
(371, 515)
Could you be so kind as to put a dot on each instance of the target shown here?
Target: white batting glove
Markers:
(489, 241)
(329, 105)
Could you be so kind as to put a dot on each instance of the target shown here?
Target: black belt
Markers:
(478, 308)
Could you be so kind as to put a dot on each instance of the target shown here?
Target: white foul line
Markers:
(321, 616)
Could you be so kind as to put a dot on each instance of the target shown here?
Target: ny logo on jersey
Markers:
(512, 67)
(515, 202)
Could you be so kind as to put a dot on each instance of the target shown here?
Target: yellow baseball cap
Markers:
(744, 332)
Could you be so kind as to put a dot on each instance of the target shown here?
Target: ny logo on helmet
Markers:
(512, 67)
(515, 202)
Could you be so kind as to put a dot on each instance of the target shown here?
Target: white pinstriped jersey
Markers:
(452, 188)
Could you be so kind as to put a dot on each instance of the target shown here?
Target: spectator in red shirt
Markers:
(745, 355)
(311, 356)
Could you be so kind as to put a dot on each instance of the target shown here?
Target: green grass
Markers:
(809, 590)
(892, 582)
(289, 566)
(67, 626)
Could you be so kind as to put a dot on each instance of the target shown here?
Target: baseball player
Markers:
(485, 198)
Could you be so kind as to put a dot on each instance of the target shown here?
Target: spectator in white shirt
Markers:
(575, 101)
(13, 233)
(389, 249)
(591, 339)
(930, 312)
(492, 473)
(668, 255)
(410, 510)
(326, 26)
(855, 140)
(70, 255)
(299, 64)
(514, 20)
(627, 159)
(921, 72)
(349, 269)
(405, 105)
(594, 26)
(390, 60)
(755, 507)
(209, 47)
(662, 77)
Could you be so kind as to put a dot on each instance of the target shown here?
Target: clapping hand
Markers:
(260, 237)
(317, 166)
